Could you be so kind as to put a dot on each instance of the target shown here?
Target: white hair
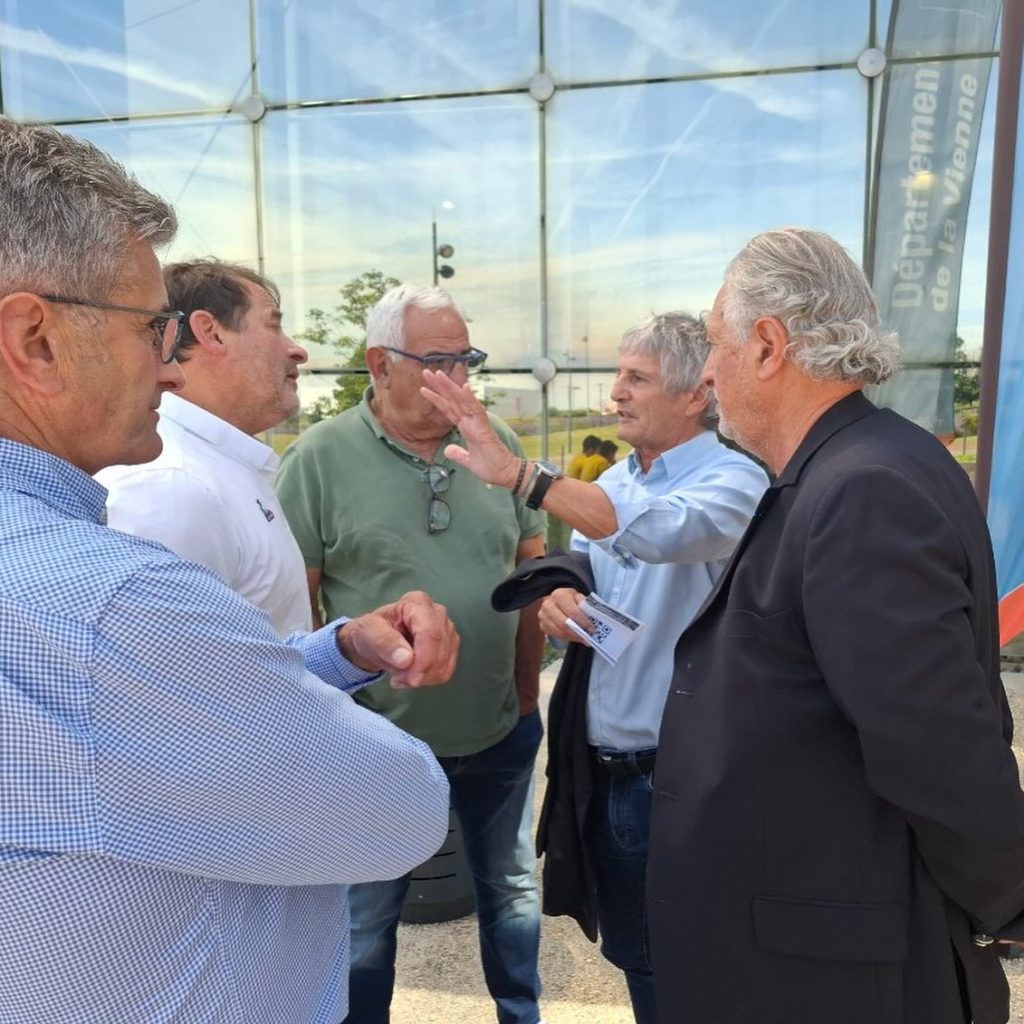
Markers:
(820, 294)
(385, 323)
(68, 212)
(680, 344)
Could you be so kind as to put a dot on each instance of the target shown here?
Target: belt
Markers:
(621, 764)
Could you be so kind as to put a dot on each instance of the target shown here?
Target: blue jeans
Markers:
(490, 793)
(618, 823)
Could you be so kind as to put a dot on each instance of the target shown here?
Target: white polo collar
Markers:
(228, 439)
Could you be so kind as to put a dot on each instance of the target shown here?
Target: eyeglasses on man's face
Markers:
(471, 359)
(168, 327)
(439, 513)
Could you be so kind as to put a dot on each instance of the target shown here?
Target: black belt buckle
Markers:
(626, 765)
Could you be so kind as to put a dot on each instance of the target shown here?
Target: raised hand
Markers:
(484, 455)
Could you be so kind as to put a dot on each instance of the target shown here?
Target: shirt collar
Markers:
(235, 443)
(674, 461)
(52, 480)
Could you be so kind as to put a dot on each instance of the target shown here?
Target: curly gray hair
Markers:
(814, 287)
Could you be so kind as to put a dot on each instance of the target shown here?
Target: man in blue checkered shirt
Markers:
(182, 799)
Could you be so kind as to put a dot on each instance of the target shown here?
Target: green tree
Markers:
(344, 328)
(966, 386)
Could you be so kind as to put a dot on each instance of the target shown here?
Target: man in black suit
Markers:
(838, 825)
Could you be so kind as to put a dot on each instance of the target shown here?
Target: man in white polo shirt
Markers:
(209, 496)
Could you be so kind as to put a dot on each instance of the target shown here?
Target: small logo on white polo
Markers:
(267, 513)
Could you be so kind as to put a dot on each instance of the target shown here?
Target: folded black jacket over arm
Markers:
(569, 881)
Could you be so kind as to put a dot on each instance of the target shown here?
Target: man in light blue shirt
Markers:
(182, 799)
(657, 528)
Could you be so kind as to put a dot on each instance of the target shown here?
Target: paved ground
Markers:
(439, 978)
(440, 981)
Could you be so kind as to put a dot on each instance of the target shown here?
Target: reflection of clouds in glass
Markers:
(329, 220)
(608, 40)
(662, 28)
(154, 72)
(64, 60)
(204, 168)
(651, 225)
(315, 49)
(762, 94)
(689, 155)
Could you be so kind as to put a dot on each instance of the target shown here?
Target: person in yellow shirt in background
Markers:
(594, 465)
(579, 460)
(608, 451)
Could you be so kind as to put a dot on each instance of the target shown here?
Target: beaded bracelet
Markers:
(519, 479)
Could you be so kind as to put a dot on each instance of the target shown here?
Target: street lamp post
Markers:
(433, 242)
(444, 250)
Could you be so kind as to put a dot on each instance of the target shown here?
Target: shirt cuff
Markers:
(320, 652)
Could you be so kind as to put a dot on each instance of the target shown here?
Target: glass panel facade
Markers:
(321, 141)
(66, 60)
(350, 190)
(365, 49)
(607, 40)
(204, 166)
(683, 175)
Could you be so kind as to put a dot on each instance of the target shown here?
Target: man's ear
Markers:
(31, 345)
(377, 364)
(699, 399)
(207, 330)
(770, 339)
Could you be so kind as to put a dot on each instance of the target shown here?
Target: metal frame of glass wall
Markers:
(589, 162)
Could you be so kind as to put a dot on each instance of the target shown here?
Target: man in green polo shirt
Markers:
(377, 510)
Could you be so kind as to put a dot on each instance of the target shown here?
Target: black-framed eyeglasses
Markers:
(439, 513)
(472, 359)
(168, 326)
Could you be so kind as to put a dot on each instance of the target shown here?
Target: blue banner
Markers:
(1006, 490)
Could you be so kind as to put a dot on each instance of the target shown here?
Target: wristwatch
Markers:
(547, 474)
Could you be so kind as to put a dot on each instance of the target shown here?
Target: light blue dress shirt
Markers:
(181, 801)
(678, 525)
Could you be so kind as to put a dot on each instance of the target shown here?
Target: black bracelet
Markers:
(519, 479)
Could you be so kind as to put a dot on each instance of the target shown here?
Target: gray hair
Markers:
(385, 323)
(68, 212)
(815, 288)
(680, 344)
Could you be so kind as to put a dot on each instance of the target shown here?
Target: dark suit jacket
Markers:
(837, 808)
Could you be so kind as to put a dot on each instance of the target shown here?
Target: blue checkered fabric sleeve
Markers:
(182, 800)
